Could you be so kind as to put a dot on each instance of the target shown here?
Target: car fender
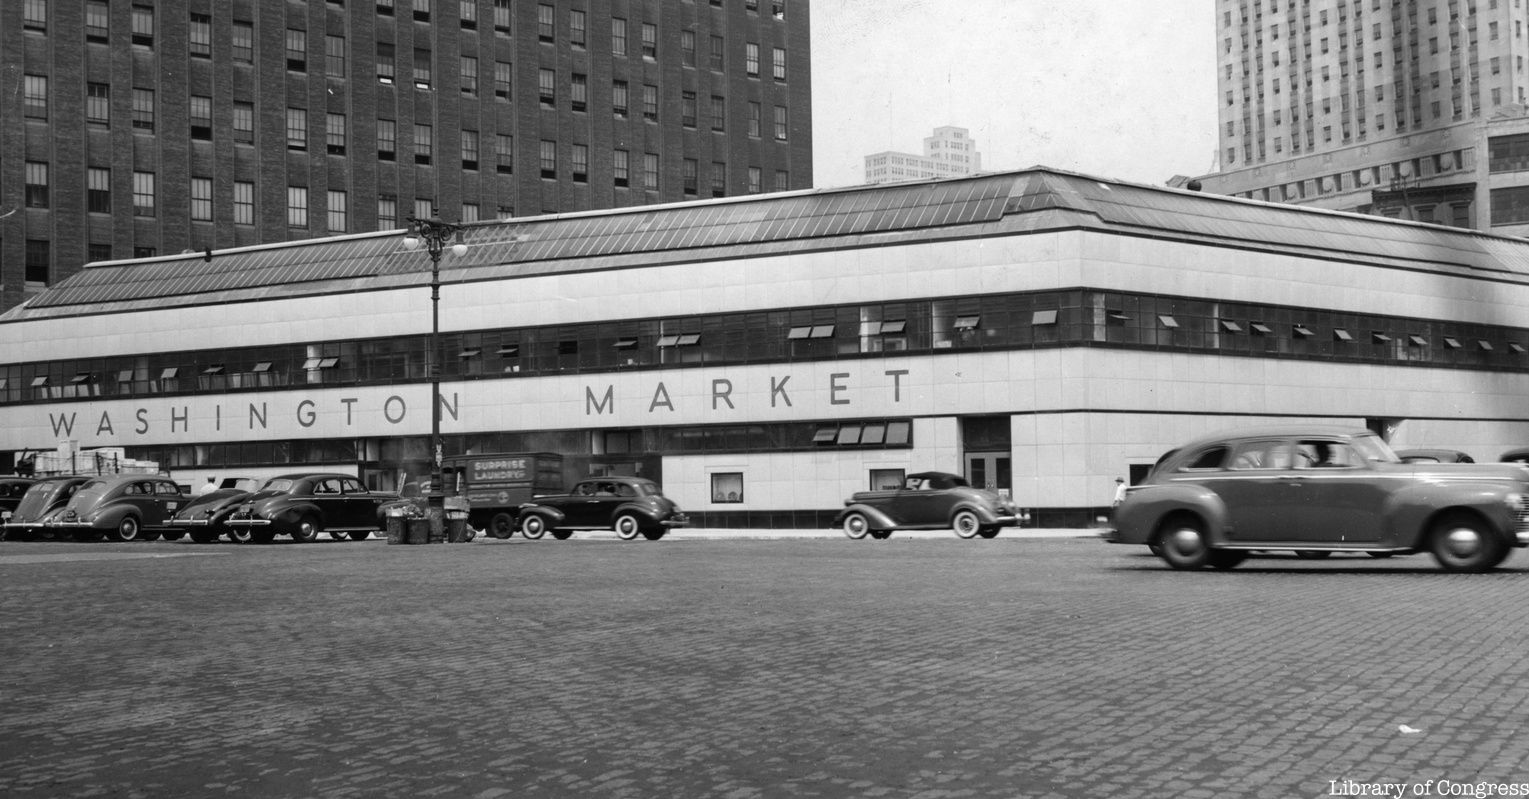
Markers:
(553, 516)
(1412, 511)
(637, 509)
(984, 513)
(286, 519)
(879, 520)
(109, 517)
(1138, 519)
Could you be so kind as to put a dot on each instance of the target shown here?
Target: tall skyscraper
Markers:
(950, 152)
(160, 126)
(1405, 108)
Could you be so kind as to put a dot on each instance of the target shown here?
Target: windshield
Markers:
(1374, 449)
(277, 484)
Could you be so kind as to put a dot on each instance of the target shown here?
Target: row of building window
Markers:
(1007, 321)
(1378, 177)
(610, 445)
(38, 187)
(199, 31)
(297, 52)
(241, 122)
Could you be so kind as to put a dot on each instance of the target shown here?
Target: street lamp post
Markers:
(434, 234)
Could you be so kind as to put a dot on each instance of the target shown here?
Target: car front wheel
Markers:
(855, 525)
(1183, 544)
(307, 530)
(1463, 543)
(533, 526)
(627, 527)
(966, 524)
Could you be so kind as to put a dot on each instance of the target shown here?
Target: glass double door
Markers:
(991, 470)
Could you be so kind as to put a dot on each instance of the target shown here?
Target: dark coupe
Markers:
(928, 501)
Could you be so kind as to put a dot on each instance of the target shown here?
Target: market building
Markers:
(763, 357)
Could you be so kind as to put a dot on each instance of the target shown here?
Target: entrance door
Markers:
(991, 470)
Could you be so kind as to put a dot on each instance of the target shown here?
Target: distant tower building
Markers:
(1409, 109)
(950, 152)
(143, 129)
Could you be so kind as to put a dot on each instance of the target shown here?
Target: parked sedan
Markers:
(12, 489)
(928, 501)
(305, 505)
(1320, 490)
(631, 506)
(123, 507)
(204, 517)
(44, 498)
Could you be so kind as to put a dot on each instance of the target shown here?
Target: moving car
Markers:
(1319, 490)
(631, 506)
(1434, 456)
(205, 515)
(303, 505)
(123, 507)
(44, 498)
(928, 501)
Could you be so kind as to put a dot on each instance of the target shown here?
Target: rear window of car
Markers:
(1206, 459)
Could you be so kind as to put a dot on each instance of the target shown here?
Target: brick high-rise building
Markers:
(160, 126)
(1405, 108)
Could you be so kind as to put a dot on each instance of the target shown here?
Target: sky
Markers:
(1121, 89)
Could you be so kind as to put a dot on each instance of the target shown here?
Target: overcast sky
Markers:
(1112, 88)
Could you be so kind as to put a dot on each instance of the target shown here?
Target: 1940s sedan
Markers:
(307, 504)
(45, 498)
(631, 506)
(124, 507)
(205, 515)
(1319, 490)
(928, 501)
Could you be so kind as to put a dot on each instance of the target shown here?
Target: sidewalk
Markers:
(833, 533)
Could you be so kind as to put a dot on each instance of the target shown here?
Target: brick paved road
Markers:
(738, 669)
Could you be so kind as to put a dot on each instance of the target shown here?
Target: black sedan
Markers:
(305, 505)
(631, 506)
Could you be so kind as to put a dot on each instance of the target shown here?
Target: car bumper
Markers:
(675, 521)
(247, 522)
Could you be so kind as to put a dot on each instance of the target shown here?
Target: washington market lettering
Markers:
(840, 392)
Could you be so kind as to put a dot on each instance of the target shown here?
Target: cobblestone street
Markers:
(806, 667)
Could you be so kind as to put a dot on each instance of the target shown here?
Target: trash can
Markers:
(456, 527)
(457, 530)
(398, 525)
(436, 515)
(419, 530)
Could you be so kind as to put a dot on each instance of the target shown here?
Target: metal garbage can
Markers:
(398, 525)
(456, 526)
(437, 518)
(457, 529)
(419, 530)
